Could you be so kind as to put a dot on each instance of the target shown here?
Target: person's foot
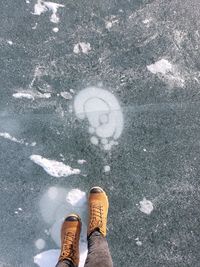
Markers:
(70, 235)
(98, 211)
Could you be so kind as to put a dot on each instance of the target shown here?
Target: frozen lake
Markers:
(100, 93)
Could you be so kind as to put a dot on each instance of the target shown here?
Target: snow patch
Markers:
(31, 95)
(168, 71)
(106, 168)
(11, 138)
(85, 48)
(43, 6)
(76, 197)
(23, 95)
(19, 141)
(53, 167)
(55, 29)
(109, 23)
(82, 161)
(66, 95)
(138, 242)
(146, 206)
(10, 42)
(162, 66)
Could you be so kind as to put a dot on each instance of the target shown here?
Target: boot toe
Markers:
(96, 189)
(72, 218)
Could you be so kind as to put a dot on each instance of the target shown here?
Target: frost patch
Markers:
(31, 95)
(82, 47)
(19, 141)
(43, 6)
(10, 42)
(55, 29)
(138, 242)
(146, 206)
(54, 168)
(55, 204)
(66, 95)
(76, 197)
(82, 161)
(104, 114)
(165, 69)
(106, 168)
(109, 23)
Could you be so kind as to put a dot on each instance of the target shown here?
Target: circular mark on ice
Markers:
(52, 192)
(94, 140)
(40, 243)
(104, 114)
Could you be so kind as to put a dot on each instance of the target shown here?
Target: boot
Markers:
(70, 235)
(98, 211)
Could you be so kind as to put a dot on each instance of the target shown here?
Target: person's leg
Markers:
(70, 235)
(98, 251)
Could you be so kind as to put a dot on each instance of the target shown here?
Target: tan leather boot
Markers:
(70, 235)
(98, 211)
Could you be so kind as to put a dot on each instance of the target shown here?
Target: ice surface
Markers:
(156, 151)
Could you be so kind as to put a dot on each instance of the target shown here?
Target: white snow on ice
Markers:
(56, 203)
(55, 29)
(85, 48)
(146, 206)
(43, 6)
(53, 167)
(13, 139)
(109, 23)
(66, 95)
(106, 168)
(10, 42)
(167, 70)
(23, 95)
(81, 161)
(162, 66)
(75, 197)
(138, 242)
(31, 95)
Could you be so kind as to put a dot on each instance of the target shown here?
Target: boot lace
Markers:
(96, 213)
(69, 246)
